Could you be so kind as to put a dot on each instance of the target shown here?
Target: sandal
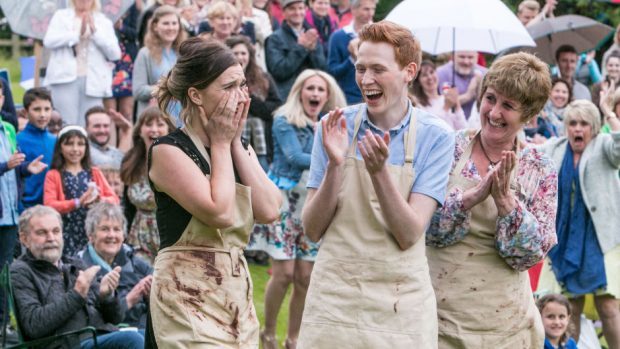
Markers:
(267, 341)
(290, 343)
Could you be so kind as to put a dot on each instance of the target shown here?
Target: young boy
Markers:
(36, 140)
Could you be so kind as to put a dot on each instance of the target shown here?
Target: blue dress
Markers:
(74, 186)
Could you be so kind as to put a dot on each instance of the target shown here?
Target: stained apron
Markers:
(481, 301)
(201, 296)
(365, 292)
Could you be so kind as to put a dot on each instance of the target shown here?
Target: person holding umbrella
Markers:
(498, 218)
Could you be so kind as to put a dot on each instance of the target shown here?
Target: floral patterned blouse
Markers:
(525, 235)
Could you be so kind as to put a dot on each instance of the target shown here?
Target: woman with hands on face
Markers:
(210, 189)
(498, 218)
(587, 257)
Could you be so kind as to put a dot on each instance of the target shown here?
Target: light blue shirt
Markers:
(432, 160)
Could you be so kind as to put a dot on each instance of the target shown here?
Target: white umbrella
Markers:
(461, 25)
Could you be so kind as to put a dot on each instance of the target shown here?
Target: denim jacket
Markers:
(291, 149)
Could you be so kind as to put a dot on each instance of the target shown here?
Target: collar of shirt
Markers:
(394, 130)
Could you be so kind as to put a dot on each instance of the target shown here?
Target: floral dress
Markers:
(143, 234)
(74, 186)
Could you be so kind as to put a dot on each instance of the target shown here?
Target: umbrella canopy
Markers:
(464, 25)
(30, 18)
(581, 32)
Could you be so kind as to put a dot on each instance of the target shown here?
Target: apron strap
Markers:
(198, 143)
(356, 128)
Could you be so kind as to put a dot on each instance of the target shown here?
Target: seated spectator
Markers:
(35, 140)
(264, 100)
(105, 227)
(158, 55)
(55, 124)
(55, 295)
(140, 200)
(293, 48)
(72, 185)
(98, 124)
(446, 106)
(82, 48)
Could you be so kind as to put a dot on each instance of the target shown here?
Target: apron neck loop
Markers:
(198, 143)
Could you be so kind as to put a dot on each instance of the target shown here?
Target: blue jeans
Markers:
(116, 340)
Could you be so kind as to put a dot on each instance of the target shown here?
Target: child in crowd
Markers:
(72, 186)
(555, 311)
(35, 140)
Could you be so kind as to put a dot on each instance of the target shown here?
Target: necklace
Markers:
(492, 163)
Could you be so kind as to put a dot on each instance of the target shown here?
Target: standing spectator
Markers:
(13, 169)
(158, 55)
(464, 74)
(224, 20)
(529, 12)
(342, 9)
(98, 124)
(550, 122)
(72, 185)
(612, 74)
(273, 9)
(145, 18)
(143, 233)
(566, 58)
(56, 123)
(292, 252)
(293, 48)
(587, 257)
(82, 44)
(55, 294)
(318, 16)
(446, 105)
(342, 51)
(497, 220)
(126, 32)
(264, 100)
(262, 27)
(36, 140)
(105, 228)
(615, 46)
(7, 107)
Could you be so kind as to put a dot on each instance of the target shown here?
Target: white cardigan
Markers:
(103, 48)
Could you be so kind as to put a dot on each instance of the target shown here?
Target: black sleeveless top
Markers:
(171, 217)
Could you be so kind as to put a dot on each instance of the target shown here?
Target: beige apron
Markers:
(201, 296)
(365, 292)
(481, 301)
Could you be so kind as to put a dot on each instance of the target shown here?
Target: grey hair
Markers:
(102, 211)
(583, 109)
(36, 211)
(356, 3)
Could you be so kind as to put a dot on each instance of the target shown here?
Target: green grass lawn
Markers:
(259, 278)
(12, 66)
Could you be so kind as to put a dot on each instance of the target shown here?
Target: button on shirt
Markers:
(432, 159)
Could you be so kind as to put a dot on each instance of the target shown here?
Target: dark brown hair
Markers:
(258, 84)
(556, 80)
(94, 110)
(199, 63)
(58, 161)
(416, 87)
(36, 93)
(133, 166)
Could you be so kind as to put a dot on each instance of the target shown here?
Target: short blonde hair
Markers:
(583, 110)
(293, 109)
(220, 8)
(522, 77)
(531, 5)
